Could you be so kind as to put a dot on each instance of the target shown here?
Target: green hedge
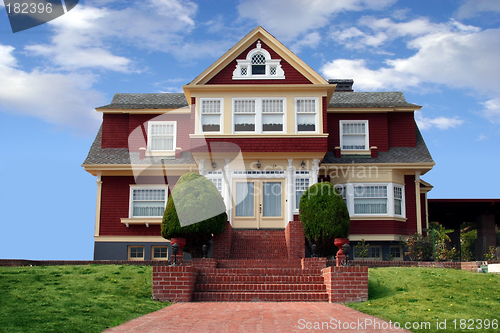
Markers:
(324, 217)
(195, 211)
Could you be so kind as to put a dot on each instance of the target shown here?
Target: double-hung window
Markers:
(148, 201)
(258, 115)
(398, 200)
(354, 134)
(306, 113)
(302, 183)
(370, 199)
(216, 178)
(211, 111)
(162, 135)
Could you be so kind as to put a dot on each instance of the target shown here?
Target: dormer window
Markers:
(258, 65)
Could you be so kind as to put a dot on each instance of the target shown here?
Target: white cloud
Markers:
(442, 123)
(56, 98)
(472, 8)
(482, 137)
(492, 110)
(310, 40)
(295, 17)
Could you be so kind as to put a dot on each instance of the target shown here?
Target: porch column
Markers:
(226, 179)
(418, 203)
(486, 235)
(201, 167)
(289, 192)
(98, 206)
(315, 170)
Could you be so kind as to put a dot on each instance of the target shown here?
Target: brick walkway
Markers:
(275, 317)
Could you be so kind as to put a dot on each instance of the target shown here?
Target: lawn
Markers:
(73, 298)
(419, 295)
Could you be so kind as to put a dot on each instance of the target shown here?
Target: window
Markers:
(398, 200)
(370, 199)
(306, 112)
(216, 178)
(136, 253)
(162, 135)
(354, 134)
(342, 191)
(211, 110)
(159, 252)
(148, 201)
(302, 183)
(396, 253)
(258, 65)
(374, 253)
(258, 115)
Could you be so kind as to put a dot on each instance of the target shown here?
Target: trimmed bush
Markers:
(324, 217)
(195, 211)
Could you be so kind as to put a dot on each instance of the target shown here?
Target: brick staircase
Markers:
(254, 244)
(259, 270)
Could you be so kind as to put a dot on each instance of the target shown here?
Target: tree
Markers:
(195, 211)
(324, 217)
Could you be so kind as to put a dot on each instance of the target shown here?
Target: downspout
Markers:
(98, 206)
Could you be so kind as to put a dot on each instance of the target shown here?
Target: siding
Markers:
(383, 227)
(401, 129)
(411, 205)
(115, 130)
(261, 144)
(292, 76)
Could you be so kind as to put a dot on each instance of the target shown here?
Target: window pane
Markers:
(244, 106)
(258, 69)
(210, 123)
(301, 185)
(160, 252)
(370, 206)
(353, 142)
(271, 199)
(162, 129)
(210, 107)
(306, 106)
(396, 252)
(244, 123)
(272, 123)
(259, 59)
(244, 199)
(356, 128)
(272, 106)
(136, 252)
(148, 208)
(306, 122)
(377, 191)
(397, 207)
(218, 183)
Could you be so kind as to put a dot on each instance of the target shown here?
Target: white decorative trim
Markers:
(273, 70)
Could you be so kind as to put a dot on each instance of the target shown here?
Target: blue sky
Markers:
(444, 55)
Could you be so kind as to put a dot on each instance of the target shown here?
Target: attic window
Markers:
(258, 65)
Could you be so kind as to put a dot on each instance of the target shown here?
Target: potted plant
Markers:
(324, 217)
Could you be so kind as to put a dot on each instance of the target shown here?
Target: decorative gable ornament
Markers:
(258, 65)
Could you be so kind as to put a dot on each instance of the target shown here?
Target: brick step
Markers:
(260, 271)
(258, 279)
(260, 287)
(256, 263)
(260, 297)
(254, 255)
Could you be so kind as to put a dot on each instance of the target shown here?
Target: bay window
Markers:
(373, 199)
(370, 199)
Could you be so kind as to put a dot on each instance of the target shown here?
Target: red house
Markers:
(262, 126)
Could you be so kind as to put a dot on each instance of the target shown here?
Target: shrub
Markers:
(418, 247)
(195, 211)
(468, 244)
(324, 217)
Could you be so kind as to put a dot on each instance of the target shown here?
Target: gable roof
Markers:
(370, 100)
(147, 101)
(247, 41)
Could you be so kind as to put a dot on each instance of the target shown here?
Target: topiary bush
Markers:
(195, 211)
(324, 217)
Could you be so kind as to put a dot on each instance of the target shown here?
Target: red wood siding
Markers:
(411, 205)
(384, 227)
(401, 129)
(292, 76)
(324, 115)
(377, 129)
(423, 210)
(115, 199)
(115, 130)
(262, 144)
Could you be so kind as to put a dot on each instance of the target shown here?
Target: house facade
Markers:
(263, 127)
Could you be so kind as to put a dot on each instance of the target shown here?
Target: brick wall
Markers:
(23, 262)
(174, 283)
(295, 239)
(222, 243)
(346, 284)
(313, 263)
(292, 76)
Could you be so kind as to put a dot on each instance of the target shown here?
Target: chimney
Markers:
(343, 85)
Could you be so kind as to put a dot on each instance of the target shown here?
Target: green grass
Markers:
(430, 294)
(73, 298)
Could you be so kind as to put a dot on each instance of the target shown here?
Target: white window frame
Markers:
(221, 113)
(296, 113)
(349, 199)
(367, 134)
(144, 187)
(129, 251)
(153, 252)
(174, 142)
(300, 174)
(216, 176)
(258, 115)
(387, 201)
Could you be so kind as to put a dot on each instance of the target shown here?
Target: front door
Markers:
(259, 203)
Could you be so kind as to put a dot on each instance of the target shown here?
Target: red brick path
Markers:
(251, 317)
